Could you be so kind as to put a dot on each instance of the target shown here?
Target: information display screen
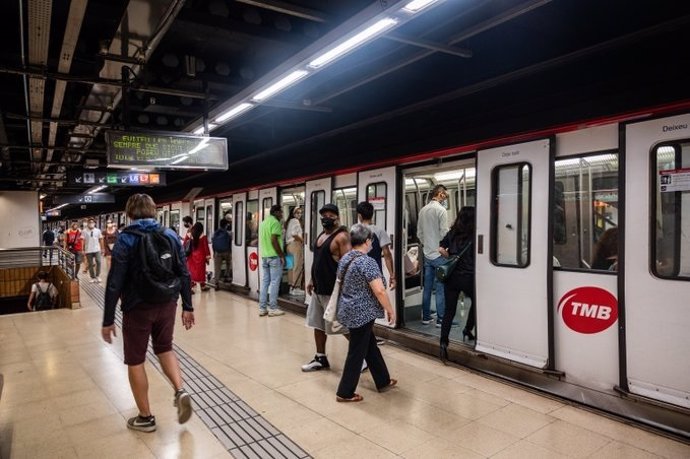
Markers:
(166, 151)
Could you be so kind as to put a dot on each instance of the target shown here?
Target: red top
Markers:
(73, 238)
(196, 262)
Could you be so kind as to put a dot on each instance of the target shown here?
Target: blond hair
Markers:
(140, 206)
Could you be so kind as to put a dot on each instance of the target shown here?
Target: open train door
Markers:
(512, 264)
(379, 187)
(317, 193)
(655, 262)
(239, 243)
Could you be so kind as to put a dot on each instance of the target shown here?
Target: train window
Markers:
(317, 201)
(585, 213)
(253, 223)
(175, 220)
(266, 207)
(200, 215)
(510, 218)
(346, 200)
(239, 228)
(376, 195)
(210, 223)
(670, 230)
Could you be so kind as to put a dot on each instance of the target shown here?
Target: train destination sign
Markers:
(169, 151)
(88, 198)
(116, 178)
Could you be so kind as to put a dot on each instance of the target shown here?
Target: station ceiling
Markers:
(462, 71)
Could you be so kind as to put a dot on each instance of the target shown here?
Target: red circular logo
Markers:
(253, 261)
(588, 309)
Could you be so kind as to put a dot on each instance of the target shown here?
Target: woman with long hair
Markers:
(295, 247)
(459, 242)
(199, 256)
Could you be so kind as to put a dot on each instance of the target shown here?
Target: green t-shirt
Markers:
(267, 228)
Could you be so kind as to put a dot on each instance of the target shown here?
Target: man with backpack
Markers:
(43, 294)
(148, 274)
(381, 242)
(222, 251)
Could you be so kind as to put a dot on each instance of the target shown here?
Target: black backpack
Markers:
(376, 251)
(43, 300)
(157, 267)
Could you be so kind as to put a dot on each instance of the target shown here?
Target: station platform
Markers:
(66, 395)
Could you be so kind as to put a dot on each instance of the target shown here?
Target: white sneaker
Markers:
(93, 281)
(297, 291)
(365, 367)
(98, 280)
(275, 312)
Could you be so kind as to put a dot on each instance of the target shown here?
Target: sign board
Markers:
(116, 178)
(674, 180)
(91, 198)
(53, 213)
(588, 310)
(169, 151)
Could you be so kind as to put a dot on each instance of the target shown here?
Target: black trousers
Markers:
(458, 282)
(362, 345)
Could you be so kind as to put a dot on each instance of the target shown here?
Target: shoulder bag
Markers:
(444, 271)
(330, 314)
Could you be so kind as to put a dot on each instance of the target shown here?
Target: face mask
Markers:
(327, 222)
(187, 225)
(92, 226)
(370, 246)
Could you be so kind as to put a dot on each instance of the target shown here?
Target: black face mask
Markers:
(187, 225)
(327, 222)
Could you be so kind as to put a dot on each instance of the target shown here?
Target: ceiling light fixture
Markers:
(200, 129)
(233, 112)
(281, 84)
(350, 44)
(97, 189)
(418, 5)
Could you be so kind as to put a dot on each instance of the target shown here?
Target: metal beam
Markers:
(286, 8)
(438, 47)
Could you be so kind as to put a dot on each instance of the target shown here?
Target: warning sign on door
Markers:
(674, 180)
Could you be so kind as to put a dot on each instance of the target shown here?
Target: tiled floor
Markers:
(66, 395)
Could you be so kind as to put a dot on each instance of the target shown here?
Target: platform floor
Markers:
(66, 395)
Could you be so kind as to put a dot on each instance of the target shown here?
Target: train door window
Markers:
(210, 224)
(346, 200)
(510, 217)
(175, 220)
(166, 217)
(671, 210)
(317, 200)
(266, 207)
(200, 214)
(585, 213)
(376, 195)
(225, 210)
(239, 229)
(253, 223)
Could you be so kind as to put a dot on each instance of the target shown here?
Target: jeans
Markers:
(430, 283)
(362, 346)
(272, 273)
(90, 259)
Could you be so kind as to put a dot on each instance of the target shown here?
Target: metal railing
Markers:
(39, 256)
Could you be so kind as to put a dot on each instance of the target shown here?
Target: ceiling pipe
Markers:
(26, 80)
(286, 8)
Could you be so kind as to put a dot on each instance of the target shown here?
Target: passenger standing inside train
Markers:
(331, 245)
(606, 252)
(221, 241)
(93, 248)
(272, 261)
(459, 242)
(73, 244)
(142, 319)
(432, 226)
(109, 237)
(363, 300)
(381, 242)
(295, 247)
(199, 256)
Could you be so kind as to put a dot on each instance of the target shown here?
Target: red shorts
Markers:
(144, 320)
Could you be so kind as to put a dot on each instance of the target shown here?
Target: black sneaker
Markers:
(320, 362)
(142, 424)
(183, 402)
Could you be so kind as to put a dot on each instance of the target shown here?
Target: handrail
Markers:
(39, 256)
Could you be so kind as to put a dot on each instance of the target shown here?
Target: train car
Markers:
(548, 313)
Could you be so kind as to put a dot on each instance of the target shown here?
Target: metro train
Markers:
(615, 339)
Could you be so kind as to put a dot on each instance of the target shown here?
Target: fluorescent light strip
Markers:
(366, 34)
(280, 85)
(200, 129)
(97, 189)
(233, 112)
(417, 5)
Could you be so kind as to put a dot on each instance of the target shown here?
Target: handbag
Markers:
(330, 314)
(444, 271)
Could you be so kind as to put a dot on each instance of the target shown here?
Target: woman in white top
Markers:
(38, 301)
(295, 247)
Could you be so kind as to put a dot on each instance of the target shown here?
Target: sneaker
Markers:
(452, 324)
(380, 341)
(297, 291)
(98, 280)
(320, 362)
(275, 312)
(93, 281)
(142, 424)
(183, 402)
(263, 312)
(427, 321)
(365, 367)
(291, 292)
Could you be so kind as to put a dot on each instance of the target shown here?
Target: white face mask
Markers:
(92, 225)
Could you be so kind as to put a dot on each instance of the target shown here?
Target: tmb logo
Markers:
(253, 261)
(588, 309)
